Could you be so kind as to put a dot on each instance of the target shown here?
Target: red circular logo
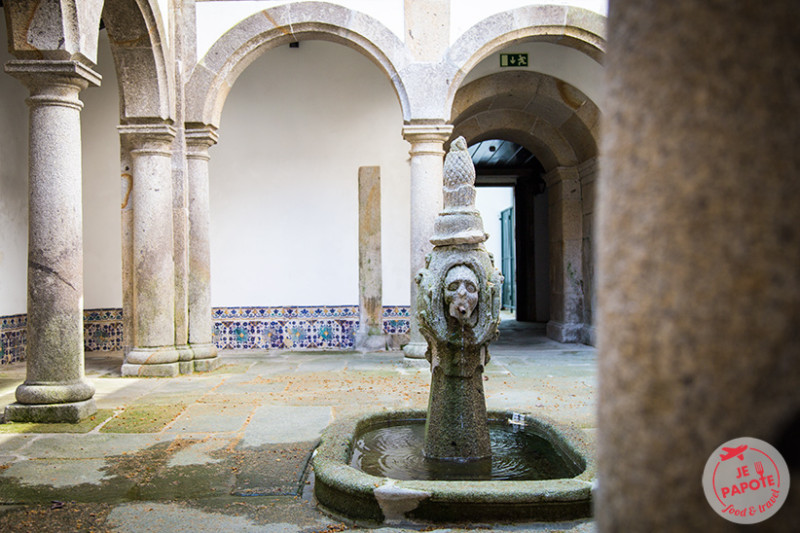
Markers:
(746, 480)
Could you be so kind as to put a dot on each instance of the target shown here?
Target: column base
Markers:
(50, 413)
(371, 343)
(162, 362)
(186, 355)
(205, 357)
(207, 365)
(165, 370)
(589, 335)
(558, 331)
(415, 350)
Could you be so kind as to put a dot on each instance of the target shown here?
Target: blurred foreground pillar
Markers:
(699, 253)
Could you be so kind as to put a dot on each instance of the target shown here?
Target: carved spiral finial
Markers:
(459, 222)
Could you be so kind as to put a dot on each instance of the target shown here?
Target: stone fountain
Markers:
(456, 468)
(458, 307)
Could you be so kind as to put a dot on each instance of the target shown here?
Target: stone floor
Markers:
(228, 450)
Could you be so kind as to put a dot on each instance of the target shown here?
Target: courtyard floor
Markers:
(228, 450)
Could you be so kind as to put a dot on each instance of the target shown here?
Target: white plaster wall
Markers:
(284, 208)
(559, 61)
(491, 201)
(101, 218)
(102, 240)
(215, 17)
(13, 189)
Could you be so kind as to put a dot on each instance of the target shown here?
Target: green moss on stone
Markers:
(143, 418)
(84, 426)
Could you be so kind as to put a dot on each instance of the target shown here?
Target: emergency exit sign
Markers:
(513, 60)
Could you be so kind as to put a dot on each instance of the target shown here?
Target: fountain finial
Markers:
(459, 222)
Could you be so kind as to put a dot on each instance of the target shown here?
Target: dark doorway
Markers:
(525, 259)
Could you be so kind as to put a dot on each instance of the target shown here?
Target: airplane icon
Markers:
(730, 453)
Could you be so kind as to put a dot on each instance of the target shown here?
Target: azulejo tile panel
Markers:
(297, 328)
(238, 328)
(13, 338)
(102, 329)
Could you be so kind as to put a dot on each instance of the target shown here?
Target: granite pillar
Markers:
(181, 237)
(588, 171)
(427, 159)
(201, 323)
(55, 389)
(370, 335)
(153, 352)
(566, 263)
(698, 247)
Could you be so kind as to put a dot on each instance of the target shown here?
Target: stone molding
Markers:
(559, 174)
(199, 140)
(425, 137)
(149, 139)
(45, 77)
(588, 170)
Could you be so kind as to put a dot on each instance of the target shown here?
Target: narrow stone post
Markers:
(566, 247)
(427, 159)
(201, 323)
(699, 247)
(370, 335)
(55, 389)
(153, 352)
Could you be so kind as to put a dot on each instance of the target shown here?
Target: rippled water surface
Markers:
(517, 454)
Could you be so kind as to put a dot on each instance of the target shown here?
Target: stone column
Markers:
(699, 254)
(565, 220)
(588, 171)
(55, 389)
(201, 323)
(180, 229)
(153, 352)
(370, 335)
(427, 160)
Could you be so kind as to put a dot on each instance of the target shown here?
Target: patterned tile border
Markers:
(297, 328)
(13, 338)
(237, 328)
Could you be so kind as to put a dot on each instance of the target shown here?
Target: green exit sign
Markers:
(513, 60)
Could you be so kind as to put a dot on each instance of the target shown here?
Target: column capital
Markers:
(427, 132)
(39, 73)
(154, 138)
(559, 174)
(199, 138)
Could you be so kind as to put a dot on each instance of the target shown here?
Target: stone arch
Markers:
(573, 27)
(216, 72)
(69, 31)
(146, 81)
(559, 124)
(552, 119)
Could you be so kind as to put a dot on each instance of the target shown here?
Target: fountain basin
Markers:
(345, 491)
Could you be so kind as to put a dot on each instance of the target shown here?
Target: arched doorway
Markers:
(523, 252)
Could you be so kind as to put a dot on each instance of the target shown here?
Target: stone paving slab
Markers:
(217, 417)
(85, 446)
(273, 424)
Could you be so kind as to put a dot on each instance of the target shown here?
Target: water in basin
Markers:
(518, 453)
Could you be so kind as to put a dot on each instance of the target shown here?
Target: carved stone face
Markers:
(461, 292)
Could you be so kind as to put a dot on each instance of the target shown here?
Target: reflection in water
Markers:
(517, 454)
